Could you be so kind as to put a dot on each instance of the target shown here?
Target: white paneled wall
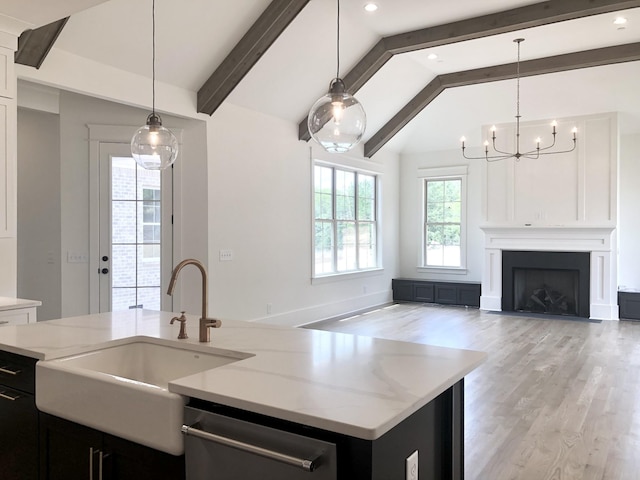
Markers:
(576, 188)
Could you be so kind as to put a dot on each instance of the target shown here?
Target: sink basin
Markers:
(123, 390)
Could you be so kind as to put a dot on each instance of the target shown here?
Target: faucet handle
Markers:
(213, 323)
(183, 320)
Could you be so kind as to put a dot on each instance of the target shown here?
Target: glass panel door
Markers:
(133, 232)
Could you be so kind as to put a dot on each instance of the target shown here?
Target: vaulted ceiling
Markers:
(278, 57)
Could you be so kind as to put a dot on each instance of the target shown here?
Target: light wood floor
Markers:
(556, 399)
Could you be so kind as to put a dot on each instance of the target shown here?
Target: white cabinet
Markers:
(17, 311)
(7, 143)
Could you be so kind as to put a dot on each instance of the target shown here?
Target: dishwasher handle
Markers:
(308, 465)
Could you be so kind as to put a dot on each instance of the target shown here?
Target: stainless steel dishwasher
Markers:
(218, 447)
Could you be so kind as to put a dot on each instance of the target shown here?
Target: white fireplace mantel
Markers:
(599, 240)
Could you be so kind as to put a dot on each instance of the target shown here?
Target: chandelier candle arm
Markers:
(537, 152)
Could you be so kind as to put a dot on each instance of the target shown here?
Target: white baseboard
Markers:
(493, 304)
(604, 312)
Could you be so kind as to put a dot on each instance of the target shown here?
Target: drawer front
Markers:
(18, 372)
(19, 318)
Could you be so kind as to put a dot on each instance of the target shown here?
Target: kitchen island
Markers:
(377, 400)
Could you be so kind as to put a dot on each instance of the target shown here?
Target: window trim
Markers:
(443, 173)
(317, 278)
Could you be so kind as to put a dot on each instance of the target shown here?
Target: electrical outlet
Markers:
(226, 255)
(411, 471)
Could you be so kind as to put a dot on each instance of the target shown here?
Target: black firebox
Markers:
(546, 282)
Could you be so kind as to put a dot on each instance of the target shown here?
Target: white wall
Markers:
(242, 182)
(629, 224)
(39, 210)
(76, 111)
(411, 220)
(260, 207)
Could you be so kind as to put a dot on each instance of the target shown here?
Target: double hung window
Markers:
(444, 217)
(345, 220)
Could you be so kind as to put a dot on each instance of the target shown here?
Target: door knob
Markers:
(104, 271)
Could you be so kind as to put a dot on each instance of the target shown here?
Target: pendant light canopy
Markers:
(153, 146)
(337, 120)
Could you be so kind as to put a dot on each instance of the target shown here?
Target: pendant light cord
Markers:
(338, 41)
(153, 56)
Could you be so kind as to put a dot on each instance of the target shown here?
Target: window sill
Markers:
(337, 277)
(443, 270)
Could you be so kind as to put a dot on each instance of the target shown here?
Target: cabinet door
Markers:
(18, 435)
(125, 460)
(402, 290)
(423, 292)
(68, 450)
(446, 293)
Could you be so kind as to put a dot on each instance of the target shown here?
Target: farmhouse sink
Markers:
(123, 390)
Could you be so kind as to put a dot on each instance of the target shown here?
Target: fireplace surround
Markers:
(597, 242)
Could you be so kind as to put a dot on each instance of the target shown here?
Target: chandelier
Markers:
(537, 152)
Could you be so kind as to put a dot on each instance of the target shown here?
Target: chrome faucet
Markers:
(205, 322)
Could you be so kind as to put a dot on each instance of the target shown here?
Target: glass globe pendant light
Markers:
(153, 146)
(337, 120)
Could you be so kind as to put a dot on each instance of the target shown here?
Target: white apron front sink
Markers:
(123, 390)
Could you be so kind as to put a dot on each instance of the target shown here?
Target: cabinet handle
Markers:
(305, 464)
(4, 322)
(6, 396)
(92, 453)
(90, 463)
(6, 369)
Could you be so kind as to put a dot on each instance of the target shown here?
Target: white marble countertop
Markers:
(354, 385)
(9, 303)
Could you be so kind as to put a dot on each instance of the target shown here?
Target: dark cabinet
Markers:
(70, 451)
(428, 291)
(436, 431)
(18, 418)
(629, 303)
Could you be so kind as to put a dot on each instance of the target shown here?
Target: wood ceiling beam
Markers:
(571, 61)
(271, 23)
(34, 45)
(520, 18)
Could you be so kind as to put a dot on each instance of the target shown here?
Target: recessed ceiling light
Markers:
(370, 7)
(620, 21)
(432, 56)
